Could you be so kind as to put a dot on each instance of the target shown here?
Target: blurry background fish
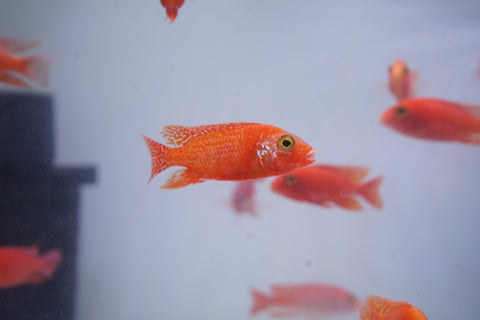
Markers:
(313, 69)
(17, 70)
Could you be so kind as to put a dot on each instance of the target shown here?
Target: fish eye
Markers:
(401, 111)
(286, 142)
(406, 70)
(290, 180)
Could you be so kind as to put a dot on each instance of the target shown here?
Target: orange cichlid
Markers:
(327, 184)
(435, 119)
(243, 197)
(34, 68)
(231, 151)
(376, 308)
(311, 301)
(24, 265)
(401, 80)
(171, 7)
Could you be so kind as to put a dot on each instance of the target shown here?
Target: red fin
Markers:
(357, 174)
(171, 13)
(37, 69)
(17, 45)
(370, 192)
(12, 80)
(178, 135)
(157, 153)
(473, 138)
(50, 262)
(350, 204)
(260, 302)
(182, 178)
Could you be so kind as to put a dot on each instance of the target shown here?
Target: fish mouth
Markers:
(310, 156)
(384, 117)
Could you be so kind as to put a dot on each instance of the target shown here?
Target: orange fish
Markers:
(231, 151)
(243, 197)
(435, 119)
(326, 185)
(311, 301)
(401, 80)
(20, 266)
(376, 308)
(34, 68)
(171, 7)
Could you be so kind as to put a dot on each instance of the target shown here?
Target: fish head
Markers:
(403, 117)
(284, 184)
(398, 69)
(283, 152)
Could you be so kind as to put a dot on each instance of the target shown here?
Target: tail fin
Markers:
(157, 153)
(260, 302)
(50, 262)
(370, 192)
(37, 68)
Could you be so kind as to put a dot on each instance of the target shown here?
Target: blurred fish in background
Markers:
(326, 185)
(171, 8)
(24, 265)
(230, 151)
(435, 119)
(13, 67)
(377, 308)
(243, 198)
(308, 301)
(401, 80)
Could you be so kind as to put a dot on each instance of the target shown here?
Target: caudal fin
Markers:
(50, 262)
(157, 153)
(37, 68)
(260, 302)
(370, 192)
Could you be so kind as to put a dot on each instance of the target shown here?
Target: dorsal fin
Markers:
(278, 290)
(357, 174)
(178, 135)
(377, 308)
(17, 45)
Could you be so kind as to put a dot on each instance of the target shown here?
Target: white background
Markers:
(314, 68)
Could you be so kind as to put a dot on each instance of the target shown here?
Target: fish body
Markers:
(401, 80)
(377, 308)
(435, 119)
(243, 197)
(231, 151)
(34, 67)
(21, 266)
(172, 7)
(327, 184)
(312, 301)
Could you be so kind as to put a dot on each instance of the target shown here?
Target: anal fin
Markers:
(182, 178)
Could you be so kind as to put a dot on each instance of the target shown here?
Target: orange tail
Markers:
(37, 68)
(370, 192)
(50, 262)
(260, 302)
(157, 152)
